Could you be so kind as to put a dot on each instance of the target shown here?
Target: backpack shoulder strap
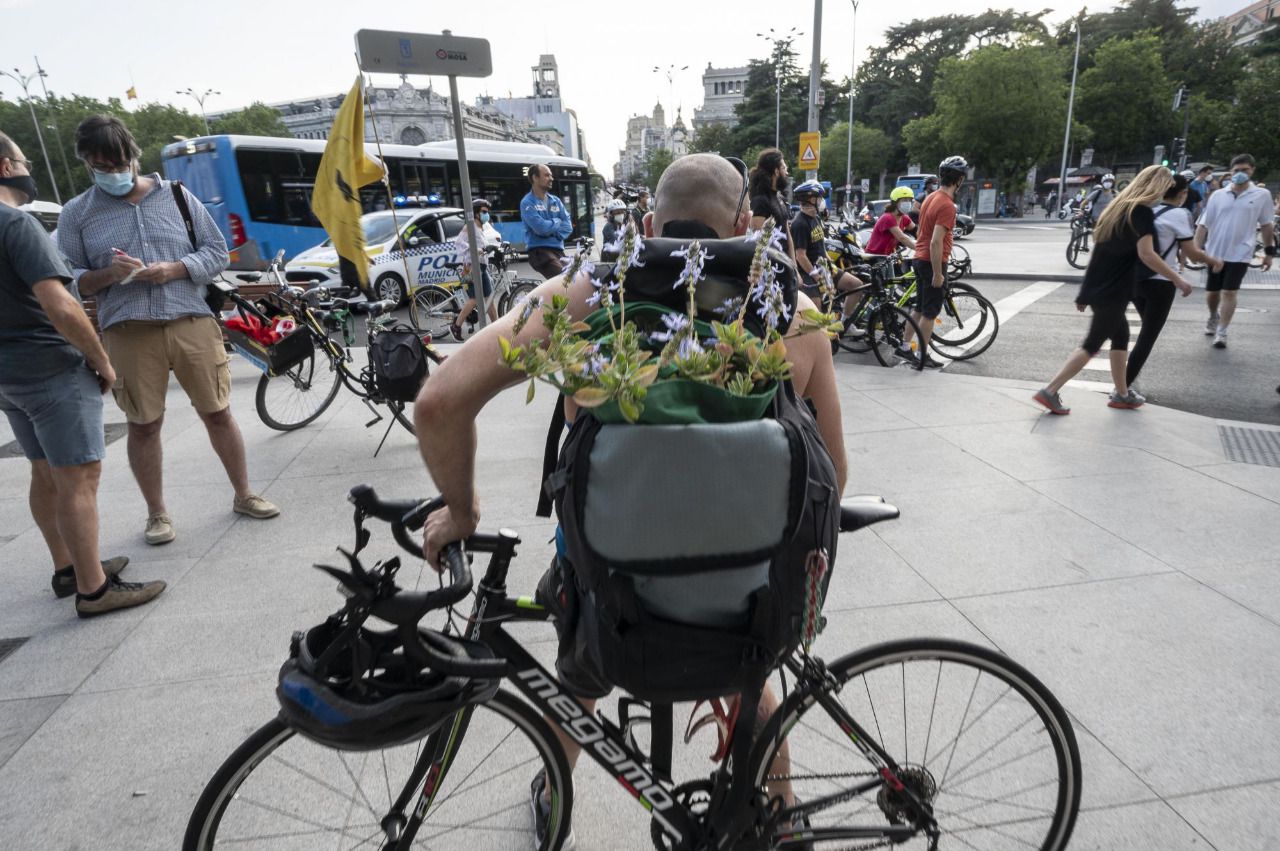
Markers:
(180, 198)
(550, 455)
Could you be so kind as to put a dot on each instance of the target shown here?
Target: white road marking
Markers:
(1009, 307)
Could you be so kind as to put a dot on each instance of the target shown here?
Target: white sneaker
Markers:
(1220, 339)
(1212, 325)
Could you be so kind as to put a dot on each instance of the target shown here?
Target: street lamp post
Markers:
(670, 72)
(200, 99)
(1071, 101)
(781, 45)
(848, 156)
(57, 134)
(25, 82)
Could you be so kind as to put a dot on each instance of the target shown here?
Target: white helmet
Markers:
(614, 206)
(1108, 177)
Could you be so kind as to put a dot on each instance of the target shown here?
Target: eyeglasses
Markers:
(741, 168)
(27, 164)
(102, 168)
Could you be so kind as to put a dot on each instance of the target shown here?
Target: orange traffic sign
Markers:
(810, 150)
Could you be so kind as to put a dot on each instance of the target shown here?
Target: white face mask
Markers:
(618, 218)
(905, 207)
(1107, 184)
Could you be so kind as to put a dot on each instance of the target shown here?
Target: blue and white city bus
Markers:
(258, 188)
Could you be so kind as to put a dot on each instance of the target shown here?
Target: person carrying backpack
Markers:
(696, 198)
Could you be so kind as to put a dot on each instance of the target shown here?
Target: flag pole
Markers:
(386, 183)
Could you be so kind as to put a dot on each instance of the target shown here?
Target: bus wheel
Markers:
(390, 286)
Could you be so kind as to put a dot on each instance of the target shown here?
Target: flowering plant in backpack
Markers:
(610, 362)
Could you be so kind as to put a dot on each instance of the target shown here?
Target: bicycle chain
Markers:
(882, 843)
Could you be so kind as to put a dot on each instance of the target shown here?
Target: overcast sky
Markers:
(274, 50)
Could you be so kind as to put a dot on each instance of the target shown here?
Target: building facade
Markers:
(545, 109)
(1247, 25)
(722, 90)
(646, 133)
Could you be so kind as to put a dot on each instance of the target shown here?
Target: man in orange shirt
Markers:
(933, 250)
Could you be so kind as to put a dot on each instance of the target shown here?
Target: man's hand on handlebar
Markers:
(447, 527)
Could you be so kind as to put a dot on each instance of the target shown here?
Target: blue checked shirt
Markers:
(152, 230)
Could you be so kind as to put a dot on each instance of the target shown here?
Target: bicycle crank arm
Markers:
(377, 417)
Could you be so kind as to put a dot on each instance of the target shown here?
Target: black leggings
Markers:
(1153, 298)
(1109, 323)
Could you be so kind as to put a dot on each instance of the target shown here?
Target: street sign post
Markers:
(389, 52)
(810, 150)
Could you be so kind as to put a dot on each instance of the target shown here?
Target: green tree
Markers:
(1126, 98)
(257, 119)
(871, 151)
(713, 139)
(158, 124)
(1005, 129)
(655, 163)
(1250, 127)
(923, 140)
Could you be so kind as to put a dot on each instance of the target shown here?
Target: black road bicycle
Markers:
(301, 385)
(915, 744)
(1081, 232)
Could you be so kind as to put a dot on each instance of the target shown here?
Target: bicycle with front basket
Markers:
(302, 373)
(918, 743)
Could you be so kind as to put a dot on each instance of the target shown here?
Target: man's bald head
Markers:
(702, 188)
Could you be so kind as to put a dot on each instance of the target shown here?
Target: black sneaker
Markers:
(64, 580)
(930, 363)
(118, 595)
(542, 813)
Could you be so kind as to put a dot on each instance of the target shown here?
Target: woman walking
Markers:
(1153, 294)
(1124, 241)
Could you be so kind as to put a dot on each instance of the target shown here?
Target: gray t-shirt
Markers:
(31, 349)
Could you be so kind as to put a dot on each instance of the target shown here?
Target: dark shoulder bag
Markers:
(212, 297)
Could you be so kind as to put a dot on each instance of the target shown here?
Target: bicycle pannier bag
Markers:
(399, 363)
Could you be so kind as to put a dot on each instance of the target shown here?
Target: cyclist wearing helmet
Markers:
(615, 222)
(809, 237)
(933, 250)
(1097, 200)
(890, 229)
(488, 235)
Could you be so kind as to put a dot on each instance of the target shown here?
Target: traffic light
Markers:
(1181, 98)
(1179, 150)
(1160, 157)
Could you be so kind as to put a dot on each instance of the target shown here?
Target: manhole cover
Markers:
(8, 645)
(112, 432)
(1251, 445)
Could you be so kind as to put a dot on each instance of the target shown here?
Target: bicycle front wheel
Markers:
(518, 294)
(303, 392)
(1074, 249)
(966, 327)
(970, 734)
(433, 311)
(887, 326)
(280, 790)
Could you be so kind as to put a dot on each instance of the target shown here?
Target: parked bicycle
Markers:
(302, 373)
(915, 744)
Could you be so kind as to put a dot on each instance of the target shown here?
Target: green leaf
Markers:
(591, 397)
(646, 375)
(630, 409)
(533, 385)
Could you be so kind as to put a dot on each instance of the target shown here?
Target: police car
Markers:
(427, 239)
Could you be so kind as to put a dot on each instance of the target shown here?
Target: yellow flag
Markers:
(132, 93)
(345, 168)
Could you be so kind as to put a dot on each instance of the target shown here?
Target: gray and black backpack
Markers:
(700, 551)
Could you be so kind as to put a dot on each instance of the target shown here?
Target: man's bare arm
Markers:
(814, 377)
(1202, 234)
(70, 320)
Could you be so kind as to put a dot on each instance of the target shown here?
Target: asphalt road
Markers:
(1184, 371)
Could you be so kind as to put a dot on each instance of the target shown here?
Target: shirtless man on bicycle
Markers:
(698, 196)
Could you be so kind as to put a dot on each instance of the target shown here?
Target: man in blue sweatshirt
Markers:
(546, 224)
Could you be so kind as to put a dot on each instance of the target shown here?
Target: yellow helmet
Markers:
(902, 193)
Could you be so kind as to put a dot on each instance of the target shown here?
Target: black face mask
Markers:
(688, 229)
(24, 183)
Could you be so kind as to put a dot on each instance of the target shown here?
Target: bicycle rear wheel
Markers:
(966, 327)
(433, 311)
(856, 338)
(1074, 249)
(970, 733)
(280, 790)
(887, 327)
(958, 264)
(518, 294)
(303, 392)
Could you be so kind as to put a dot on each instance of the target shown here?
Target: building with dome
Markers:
(646, 133)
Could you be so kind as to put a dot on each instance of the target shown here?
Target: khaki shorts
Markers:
(143, 353)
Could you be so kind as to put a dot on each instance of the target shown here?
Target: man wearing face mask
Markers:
(53, 372)
(1097, 200)
(890, 229)
(129, 246)
(615, 222)
(1226, 230)
(810, 244)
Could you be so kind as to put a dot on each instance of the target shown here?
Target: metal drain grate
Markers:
(1251, 445)
(111, 431)
(8, 645)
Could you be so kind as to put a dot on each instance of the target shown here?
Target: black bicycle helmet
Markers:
(362, 693)
(953, 167)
